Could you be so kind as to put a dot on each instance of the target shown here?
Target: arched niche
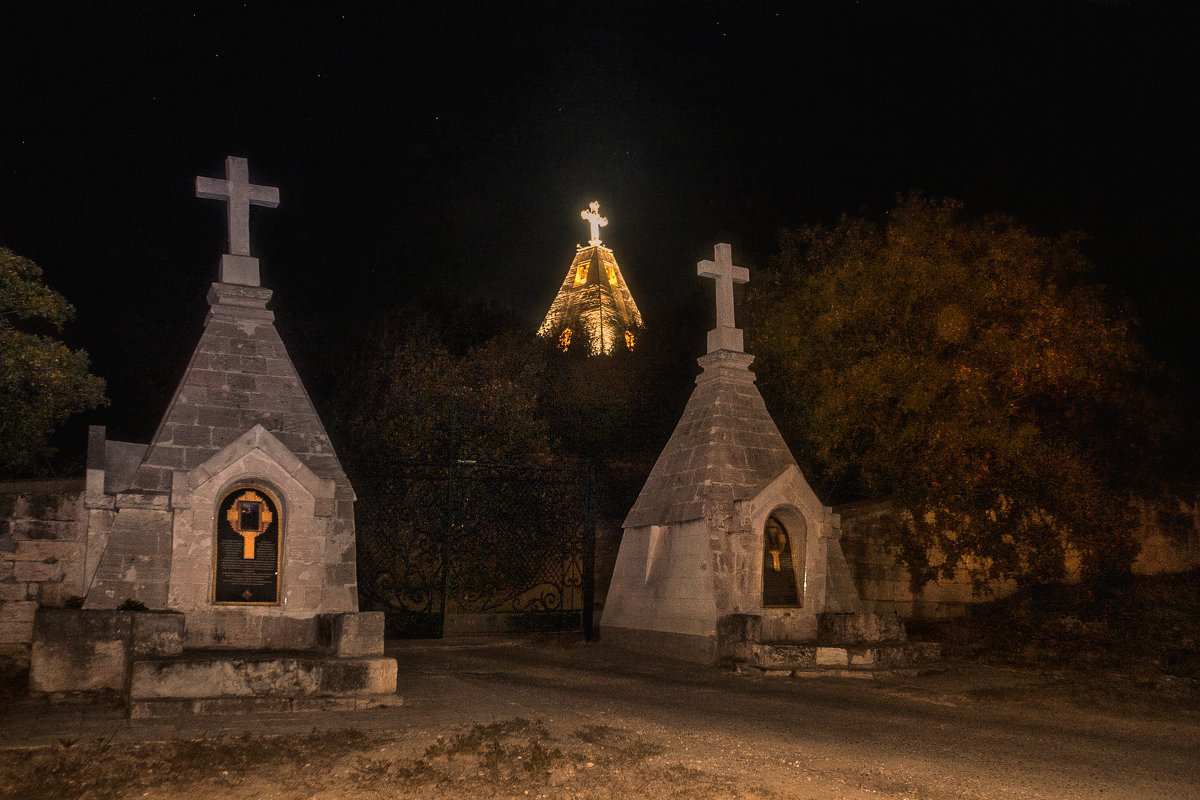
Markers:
(248, 544)
(306, 504)
(784, 545)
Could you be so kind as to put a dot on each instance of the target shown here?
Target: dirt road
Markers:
(977, 732)
(555, 718)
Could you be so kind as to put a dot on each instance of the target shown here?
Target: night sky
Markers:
(445, 149)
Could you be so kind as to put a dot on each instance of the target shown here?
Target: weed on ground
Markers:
(512, 758)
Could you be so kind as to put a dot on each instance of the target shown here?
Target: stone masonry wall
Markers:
(43, 543)
(883, 583)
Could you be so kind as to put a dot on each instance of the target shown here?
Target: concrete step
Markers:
(216, 682)
(800, 656)
(236, 706)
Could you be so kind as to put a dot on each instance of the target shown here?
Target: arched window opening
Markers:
(247, 547)
(779, 569)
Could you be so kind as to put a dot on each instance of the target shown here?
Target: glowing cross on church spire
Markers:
(592, 215)
(726, 336)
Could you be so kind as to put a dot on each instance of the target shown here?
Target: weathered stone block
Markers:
(859, 627)
(242, 705)
(191, 436)
(226, 397)
(45, 551)
(16, 632)
(54, 595)
(36, 571)
(289, 633)
(157, 633)
(242, 382)
(864, 657)
(150, 709)
(15, 656)
(355, 634)
(832, 657)
(195, 456)
(79, 651)
(309, 550)
(222, 629)
(13, 592)
(339, 574)
(188, 595)
(785, 656)
(276, 367)
(736, 635)
(219, 418)
(263, 676)
(923, 652)
(40, 529)
(19, 611)
(306, 575)
(346, 597)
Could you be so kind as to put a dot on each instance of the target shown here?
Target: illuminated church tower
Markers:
(594, 298)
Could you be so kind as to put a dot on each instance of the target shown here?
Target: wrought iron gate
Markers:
(468, 538)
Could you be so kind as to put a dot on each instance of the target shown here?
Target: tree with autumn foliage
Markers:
(419, 396)
(42, 381)
(974, 373)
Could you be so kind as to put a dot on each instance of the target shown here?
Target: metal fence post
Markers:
(589, 557)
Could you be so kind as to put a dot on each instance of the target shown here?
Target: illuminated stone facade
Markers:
(240, 420)
(232, 530)
(726, 525)
(593, 304)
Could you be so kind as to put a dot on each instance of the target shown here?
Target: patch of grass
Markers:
(376, 773)
(617, 748)
(694, 783)
(499, 759)
(509, 758)
(471, 741)
(492, 757)
(73, 771)
(539, 759)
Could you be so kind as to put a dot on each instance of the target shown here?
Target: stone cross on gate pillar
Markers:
(238, 266)
(726, 336)
(592, 215)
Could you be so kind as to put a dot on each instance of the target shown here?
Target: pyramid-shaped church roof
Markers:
(726, 447)
(240, 373)
(593, 296)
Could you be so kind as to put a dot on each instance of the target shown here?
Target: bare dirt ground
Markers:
(560, 718)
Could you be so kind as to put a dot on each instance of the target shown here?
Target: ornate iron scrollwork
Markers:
(473, 539)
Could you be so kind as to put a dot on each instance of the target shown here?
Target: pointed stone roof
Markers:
(725, 448)
(240, 386)
(593, 294)
(240, 376)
